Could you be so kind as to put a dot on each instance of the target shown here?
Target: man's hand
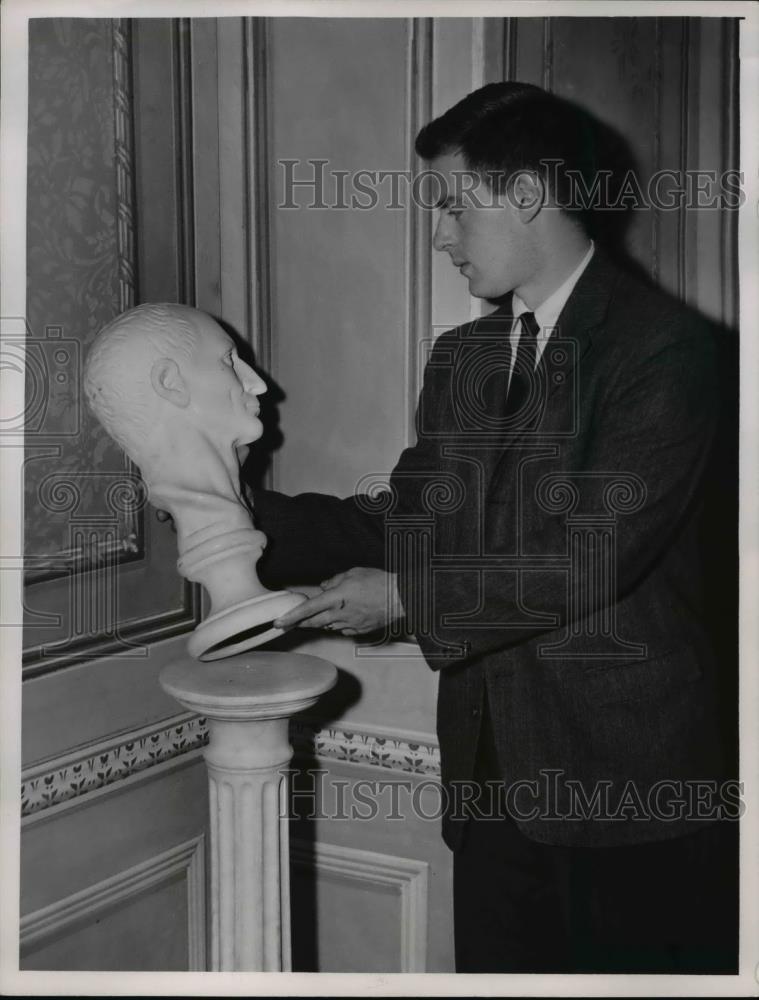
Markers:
(358, 601)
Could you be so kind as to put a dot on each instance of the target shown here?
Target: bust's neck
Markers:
(198, 483)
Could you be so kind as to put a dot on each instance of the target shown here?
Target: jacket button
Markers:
(475, 712)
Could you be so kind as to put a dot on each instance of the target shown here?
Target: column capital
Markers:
(255, 685)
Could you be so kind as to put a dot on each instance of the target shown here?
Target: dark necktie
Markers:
(523, 374)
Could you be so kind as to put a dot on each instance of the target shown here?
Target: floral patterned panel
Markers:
(73, 471)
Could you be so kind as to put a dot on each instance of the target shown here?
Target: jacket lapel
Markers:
(580, 321)
(585, 310)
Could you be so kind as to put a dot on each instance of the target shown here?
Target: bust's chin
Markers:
(249, 433)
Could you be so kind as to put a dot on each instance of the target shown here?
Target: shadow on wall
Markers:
(304, 806)
(259, 458)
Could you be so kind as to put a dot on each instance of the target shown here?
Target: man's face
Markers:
(223, 389)
(480, 230)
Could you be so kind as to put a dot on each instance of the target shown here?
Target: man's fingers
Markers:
(332, 582)
(307, 609)
(306, 590)
(313, 606)
(324, 620)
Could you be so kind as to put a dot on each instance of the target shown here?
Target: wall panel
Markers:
(668, 86)
(100, 572)
(371, 863)
(116, 879)
(109, 115)
(338, 274)
(371, 909)
(149, 917)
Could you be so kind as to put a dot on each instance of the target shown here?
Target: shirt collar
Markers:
(548, 311)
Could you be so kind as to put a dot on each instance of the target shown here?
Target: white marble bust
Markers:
(168, 385)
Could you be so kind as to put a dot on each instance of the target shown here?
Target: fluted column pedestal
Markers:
(248, 700)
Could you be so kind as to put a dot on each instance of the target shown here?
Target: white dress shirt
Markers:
(547, 313)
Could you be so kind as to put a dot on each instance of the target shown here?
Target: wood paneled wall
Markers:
(337, 306)
(669, 86)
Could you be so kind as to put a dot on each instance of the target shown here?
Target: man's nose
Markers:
(442, 238)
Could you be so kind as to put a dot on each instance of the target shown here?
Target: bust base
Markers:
(241, 627)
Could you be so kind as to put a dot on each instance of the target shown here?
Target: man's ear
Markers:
(167, 382)
(528, 195)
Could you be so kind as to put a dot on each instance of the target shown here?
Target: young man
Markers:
(562, 597)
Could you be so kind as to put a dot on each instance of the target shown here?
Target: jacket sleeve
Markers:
(313, 536)
(652, 429)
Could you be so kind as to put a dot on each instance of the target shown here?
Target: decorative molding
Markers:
(730, 161)
(105, 549)
(478, 52)
(682, 215)
(672, 140)
(548, 53)
(510, 27)
(397, 752)
(418, 237)
(126, 253)
(258, 186)
(181, 29)
(123, 118)
(90, 904)
(96, 766)
(409, 878)
(125, 638)
(656, 91)
(50, 786)
(259, 195)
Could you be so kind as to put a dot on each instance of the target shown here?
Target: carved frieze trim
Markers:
(398, 752)
(97, 765)
(66, 780)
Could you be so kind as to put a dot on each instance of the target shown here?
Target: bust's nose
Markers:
(251, 381)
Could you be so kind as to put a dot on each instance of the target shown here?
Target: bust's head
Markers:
(169, 372)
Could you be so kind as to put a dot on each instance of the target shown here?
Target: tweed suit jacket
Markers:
(552, 562)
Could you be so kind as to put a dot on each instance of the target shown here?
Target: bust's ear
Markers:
(167, 382)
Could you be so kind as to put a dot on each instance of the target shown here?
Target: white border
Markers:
(13, 90)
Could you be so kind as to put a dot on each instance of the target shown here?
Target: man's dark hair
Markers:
(504, 128)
